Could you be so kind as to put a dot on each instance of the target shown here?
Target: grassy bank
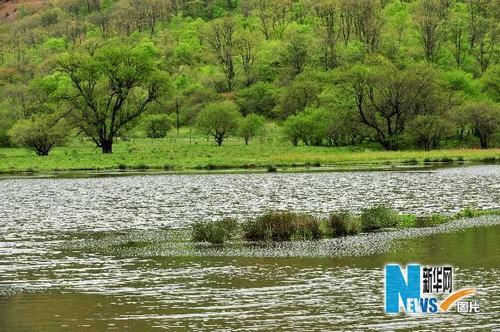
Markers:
(287, 226)
(185, 154)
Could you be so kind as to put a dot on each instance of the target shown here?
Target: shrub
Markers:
(40, 133)
(343, 224)
(378, 217)
(157, 126)
(282, 226)
(216, 232)
(251, 126)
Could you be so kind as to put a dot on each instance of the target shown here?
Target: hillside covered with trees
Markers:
(402, 74)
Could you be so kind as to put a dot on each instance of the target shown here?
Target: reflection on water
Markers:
(90, 254)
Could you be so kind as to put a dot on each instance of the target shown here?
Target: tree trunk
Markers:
(484, 141)
(106, 146)
(177, 111)
(42, 151)
(388, 145)
(219, 138)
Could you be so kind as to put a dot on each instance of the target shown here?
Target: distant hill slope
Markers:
(9, 9)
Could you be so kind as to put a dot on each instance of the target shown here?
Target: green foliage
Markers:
(344, 223)
(387, 71)
(468, 212)
(110, 88)
(4, 139)
(259, 98)
(300, 128)
(491, 82)
(428, 130)
(41, 133)
(219, 120)
(157, 125)
(378, 217)
(484, 119)
(307, 228)
(385, 97)
(282, 226)
(216, 232)
(251, 126)
(407, 220)
(302, 93)
(319, 126)
(434, 219)
(297, 49)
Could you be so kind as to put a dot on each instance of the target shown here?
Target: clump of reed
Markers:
(215, 232)
(343, 223)
(378, 217)
(282, 226)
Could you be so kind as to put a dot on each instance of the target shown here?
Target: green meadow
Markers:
(190, 151)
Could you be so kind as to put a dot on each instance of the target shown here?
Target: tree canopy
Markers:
(379, 67)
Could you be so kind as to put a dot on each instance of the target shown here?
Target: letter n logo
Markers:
(397, 286)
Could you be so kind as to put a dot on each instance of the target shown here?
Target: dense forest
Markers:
(403, 74)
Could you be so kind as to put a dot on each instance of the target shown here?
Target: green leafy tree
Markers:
(337, 127)
(428, 130)
(41, 133)
(491, 82)
(259, 98)
(483, 31)
(328, 26)
(251, 126)
(303, 127)
(157, 125)
(484, 119)
(221, 38)
(430, 18)
(219, 120)
(110, 88)
(386, 98)
(247, 43)
(301, 93)
(297, 50)
(458, 33)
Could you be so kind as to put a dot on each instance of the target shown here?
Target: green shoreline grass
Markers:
(181, 155)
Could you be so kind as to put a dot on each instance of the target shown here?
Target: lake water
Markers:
(97, 253)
